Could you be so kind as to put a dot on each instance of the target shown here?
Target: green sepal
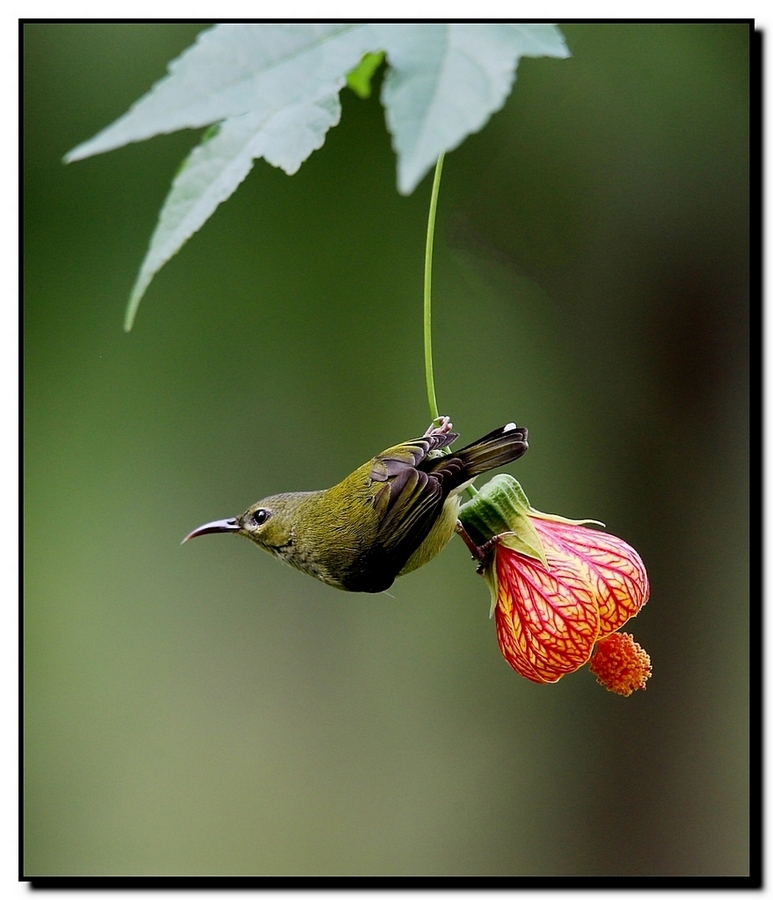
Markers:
(550, 517)
(528, 544)
(501, 508)
(359, 77)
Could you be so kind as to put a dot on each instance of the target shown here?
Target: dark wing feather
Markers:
(411, 499)
(415, 500)
(407, 505)
(412, 453)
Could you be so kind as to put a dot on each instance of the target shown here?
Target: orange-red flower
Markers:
(559, 589)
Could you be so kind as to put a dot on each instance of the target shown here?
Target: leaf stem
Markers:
(428, 372)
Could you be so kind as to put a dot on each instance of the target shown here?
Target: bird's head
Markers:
(270, 523)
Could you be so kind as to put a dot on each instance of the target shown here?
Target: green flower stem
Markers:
(428, 370)
(432, 399)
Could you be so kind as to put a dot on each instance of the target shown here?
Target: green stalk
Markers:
(428, 372)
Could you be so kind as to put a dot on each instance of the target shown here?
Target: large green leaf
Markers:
(274, 89)
(236, 69)
(445, 81)
(220, 163)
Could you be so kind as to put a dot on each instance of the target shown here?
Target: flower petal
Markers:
(612, 567)
(547, 620)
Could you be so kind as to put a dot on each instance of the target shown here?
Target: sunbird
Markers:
(389, 517)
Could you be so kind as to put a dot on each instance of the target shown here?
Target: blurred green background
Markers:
(202, 710)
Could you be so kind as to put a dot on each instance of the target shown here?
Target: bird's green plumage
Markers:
(390, 516)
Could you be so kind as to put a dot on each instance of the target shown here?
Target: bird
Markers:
(392, 515)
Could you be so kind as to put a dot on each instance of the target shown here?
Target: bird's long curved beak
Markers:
(221, 525)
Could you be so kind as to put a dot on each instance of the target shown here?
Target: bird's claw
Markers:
(441, 425)
(481, 552)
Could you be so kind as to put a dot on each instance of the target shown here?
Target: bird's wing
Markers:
(410, 500)
(411, 453)
(411, 503)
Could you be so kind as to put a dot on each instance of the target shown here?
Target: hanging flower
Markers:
(558, 589)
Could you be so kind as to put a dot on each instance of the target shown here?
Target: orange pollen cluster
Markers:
(620, 664)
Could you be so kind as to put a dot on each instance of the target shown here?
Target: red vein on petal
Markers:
(540, 633)
(613, 568)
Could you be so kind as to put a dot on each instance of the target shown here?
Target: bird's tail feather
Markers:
(497, 448)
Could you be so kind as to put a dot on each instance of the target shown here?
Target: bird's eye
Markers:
(260, 516)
